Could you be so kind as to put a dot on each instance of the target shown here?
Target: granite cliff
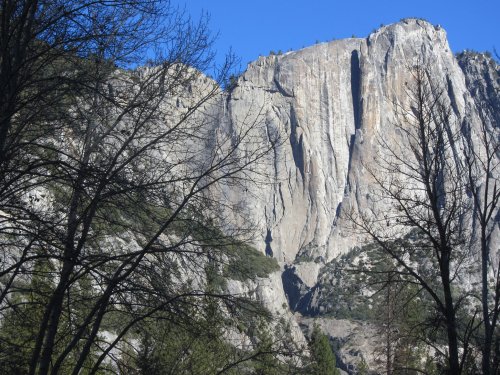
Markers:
(331, 101)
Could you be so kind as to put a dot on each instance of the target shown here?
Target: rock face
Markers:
(324, 108)
(331, 101)
(357, 342)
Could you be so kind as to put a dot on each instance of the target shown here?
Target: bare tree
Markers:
(111, 176)
(49, 50)
(41, 39)
(423, 225)
(482, 168)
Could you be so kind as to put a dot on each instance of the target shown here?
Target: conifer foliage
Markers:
(322, 356)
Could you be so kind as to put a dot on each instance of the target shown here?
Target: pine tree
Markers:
(323, 359)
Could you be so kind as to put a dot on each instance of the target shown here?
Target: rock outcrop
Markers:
(331, 101)
(329, 104)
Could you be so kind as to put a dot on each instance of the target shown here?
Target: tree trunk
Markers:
(451, 324)
(488, 331)
(53, 310)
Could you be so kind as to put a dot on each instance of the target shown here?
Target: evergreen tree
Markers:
(322, 356)
(266, 363)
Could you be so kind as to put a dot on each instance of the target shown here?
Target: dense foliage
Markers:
(323, 359)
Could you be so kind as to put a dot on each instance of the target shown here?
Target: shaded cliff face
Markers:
(331, 101)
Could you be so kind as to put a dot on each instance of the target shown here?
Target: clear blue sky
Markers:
(255, 27)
